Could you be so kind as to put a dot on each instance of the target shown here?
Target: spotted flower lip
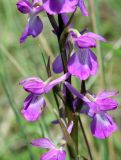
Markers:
(34, 24)
(34, 104)
(53, 153)
(96, 107)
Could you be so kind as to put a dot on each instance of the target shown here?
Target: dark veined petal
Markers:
(83, 64)
(107, 104)
(33, 28)
(33, 84)
(85, 42)
(103, 126)
(43, 143)
(59, 6)
(33, 107)
(24, 6)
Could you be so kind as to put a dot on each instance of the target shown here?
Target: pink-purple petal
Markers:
(43, 143)
(61, 155)
(95, 36)
(106, 94)
(83, 64)
(24, 6)
(57, 65)
(50, 155)
(82, 7)
(33, 84)
(33, 28)
(107, 104)
(103, 126)
(85, 42)
(59, 6)
(75, 92)
(56, 81)
(35, 106)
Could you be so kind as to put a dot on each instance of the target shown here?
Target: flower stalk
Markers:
(76, 59)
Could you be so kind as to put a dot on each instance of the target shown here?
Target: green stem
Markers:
(83, 91)
(85, 137)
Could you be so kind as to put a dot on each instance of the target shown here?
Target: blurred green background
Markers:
(20, 61)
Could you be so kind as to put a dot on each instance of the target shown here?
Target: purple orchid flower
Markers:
(34, 104)
(53, 153)
(82, 63)
(34, 24)
(86, 40)
(102, 125)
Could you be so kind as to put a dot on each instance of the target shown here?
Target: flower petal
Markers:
(103, 126)
(33, 28)
(106, 94)
(33, 84)
(61, 155)
(43, 143)
(83, 64)
(35, 106)
(95, 36)
(24, 6)
(50, 155)
(59, 6)
(107, 104)
(57, 65)
(85, 42)
(56, 81)
(82, 7)
(75, 92)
